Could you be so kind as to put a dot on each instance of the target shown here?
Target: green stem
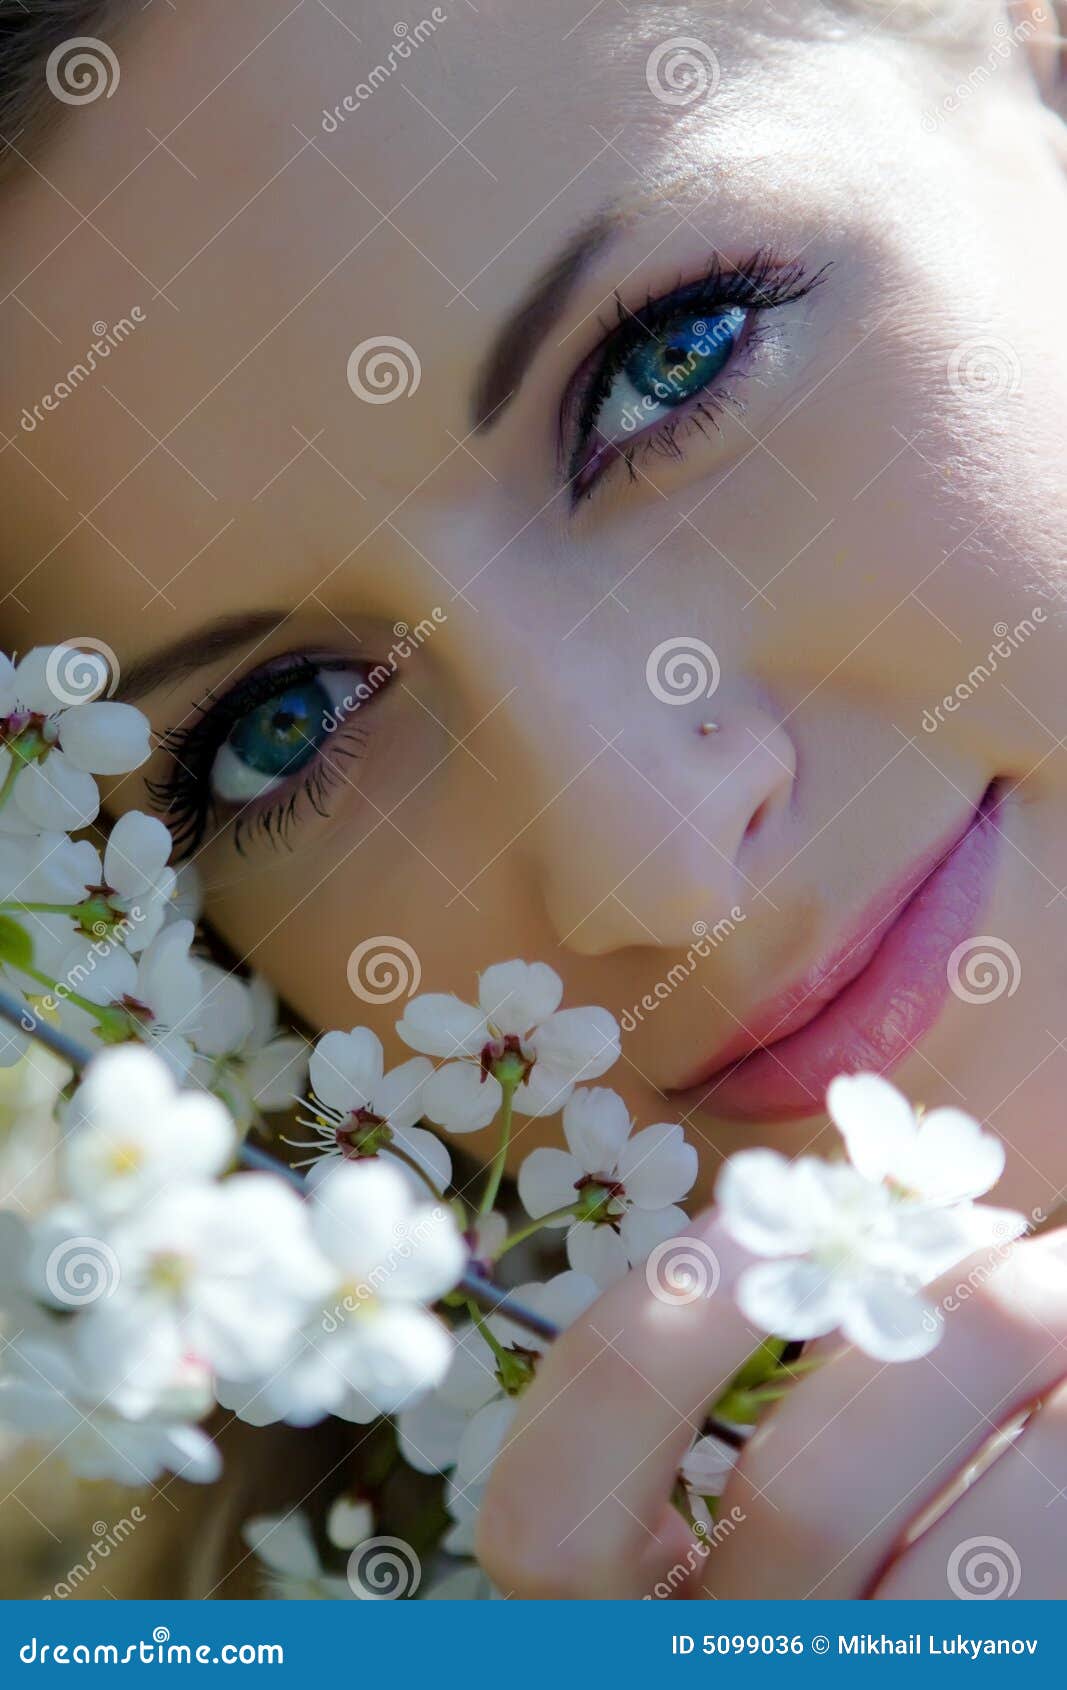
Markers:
(10, 778)
(526, 1232)
(496, 1171)
(763, 1378)
(499, 1353)
(99, 1012)
(42, 909)
(409, 1161)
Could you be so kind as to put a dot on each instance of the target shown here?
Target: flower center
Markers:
(362, 1134)
(506, 1060)
(601, 1199)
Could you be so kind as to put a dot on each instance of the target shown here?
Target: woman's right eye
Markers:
(283, 733)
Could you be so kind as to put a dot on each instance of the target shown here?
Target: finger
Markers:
(578, 1501)
(1004, 1537)
(830, 1482)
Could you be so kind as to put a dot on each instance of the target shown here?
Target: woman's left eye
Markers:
(666, 369)
(272, 742)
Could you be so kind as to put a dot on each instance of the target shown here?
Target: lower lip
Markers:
(875, 1020)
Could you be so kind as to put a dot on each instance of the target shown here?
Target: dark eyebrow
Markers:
(192, 650)
(513, 348)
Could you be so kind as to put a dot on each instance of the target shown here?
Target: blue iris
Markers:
(285, 731)
(685, 357)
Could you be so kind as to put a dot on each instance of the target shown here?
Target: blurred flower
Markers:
(240, 1053)
(283, 1542)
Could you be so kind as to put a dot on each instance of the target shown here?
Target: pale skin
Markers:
(846, 543)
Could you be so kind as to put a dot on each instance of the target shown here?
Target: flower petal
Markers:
(657, 1166)
(517, 996)
(793, 1299)
(438, 1024)
(55, 794)
(398, 1094)
(105, 738)
(581, 1043)
(547, 1180)
(890, 1323)
(345, 1068)
(457, 1098)
(136, 854)
(876, 1121)
(596, 1125)
(597, 1251)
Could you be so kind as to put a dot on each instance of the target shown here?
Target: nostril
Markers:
(757, 819)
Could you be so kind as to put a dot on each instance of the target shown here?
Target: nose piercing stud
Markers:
(708, 728)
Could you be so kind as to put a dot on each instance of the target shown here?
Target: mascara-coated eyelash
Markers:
(661, 364)
(254, 753)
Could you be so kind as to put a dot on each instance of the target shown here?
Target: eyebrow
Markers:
(514, 346)
(193, 650)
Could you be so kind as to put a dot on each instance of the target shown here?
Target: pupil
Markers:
(672, 370)
(283, 733)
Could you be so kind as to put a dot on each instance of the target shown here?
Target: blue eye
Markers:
(666, 369)
(271, 742)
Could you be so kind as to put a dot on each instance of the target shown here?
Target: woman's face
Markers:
(769, 371)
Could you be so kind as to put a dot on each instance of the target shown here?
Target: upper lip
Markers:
(790, 1010)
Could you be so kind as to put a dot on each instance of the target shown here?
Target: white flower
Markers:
(131, 1132)
(517, 1016)
(47, 1400)
(706, 1468)
(51, 747)
(240, 1054)
(159, 992)
(360, 1111)
(852, 1245)
(374, 1347)
(138, 881)
(222, 1272)
(283, 1542)
(464, 1422)
(350, 1520)
(626, 1188)
(939, 1158)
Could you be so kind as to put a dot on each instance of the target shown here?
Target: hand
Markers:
(828, 1493)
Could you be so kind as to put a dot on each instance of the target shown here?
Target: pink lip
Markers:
(870, 1002)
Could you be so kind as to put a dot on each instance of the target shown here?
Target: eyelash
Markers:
(183, 796)
(761, 283)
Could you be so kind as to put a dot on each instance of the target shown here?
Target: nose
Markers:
(665, 829)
